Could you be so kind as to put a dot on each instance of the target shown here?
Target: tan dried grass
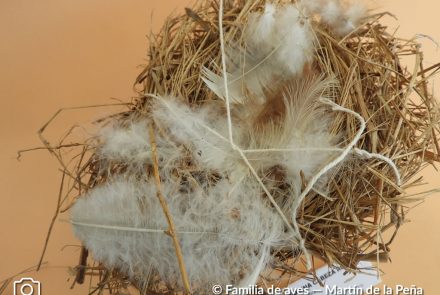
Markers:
(364, 201)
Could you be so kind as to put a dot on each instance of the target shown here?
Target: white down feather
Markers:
(223, 229)
(226, 228)
(277, 44)
(130, 145)
(341, 16)
(202, 130)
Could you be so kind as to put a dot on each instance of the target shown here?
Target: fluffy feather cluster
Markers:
(226, 224)
(341, 16)
(222, 231)
(277, 44)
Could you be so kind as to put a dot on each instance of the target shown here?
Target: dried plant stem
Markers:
(81, 268)
(225, 76)
(49, 232)
(171, 230)
(344, 226)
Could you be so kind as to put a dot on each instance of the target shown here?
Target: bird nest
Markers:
(378, 120)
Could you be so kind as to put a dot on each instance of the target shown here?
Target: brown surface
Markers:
(70, 53)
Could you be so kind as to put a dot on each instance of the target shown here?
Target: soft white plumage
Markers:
(262, 26)
(259, 62)
(223, 232)
(131, 145)
(331, 12)
(202, 131)
(353, 16)
(226, 225)
(340, 16)
(115, 145)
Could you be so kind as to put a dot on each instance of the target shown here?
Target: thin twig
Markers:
(52, 223)
(20, 152)
(171, 230)
(81, 268)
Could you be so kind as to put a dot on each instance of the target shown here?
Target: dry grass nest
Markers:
(363, 201)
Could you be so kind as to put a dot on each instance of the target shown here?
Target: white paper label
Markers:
(338, 282)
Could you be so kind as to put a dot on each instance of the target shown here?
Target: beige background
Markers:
(61, 53)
